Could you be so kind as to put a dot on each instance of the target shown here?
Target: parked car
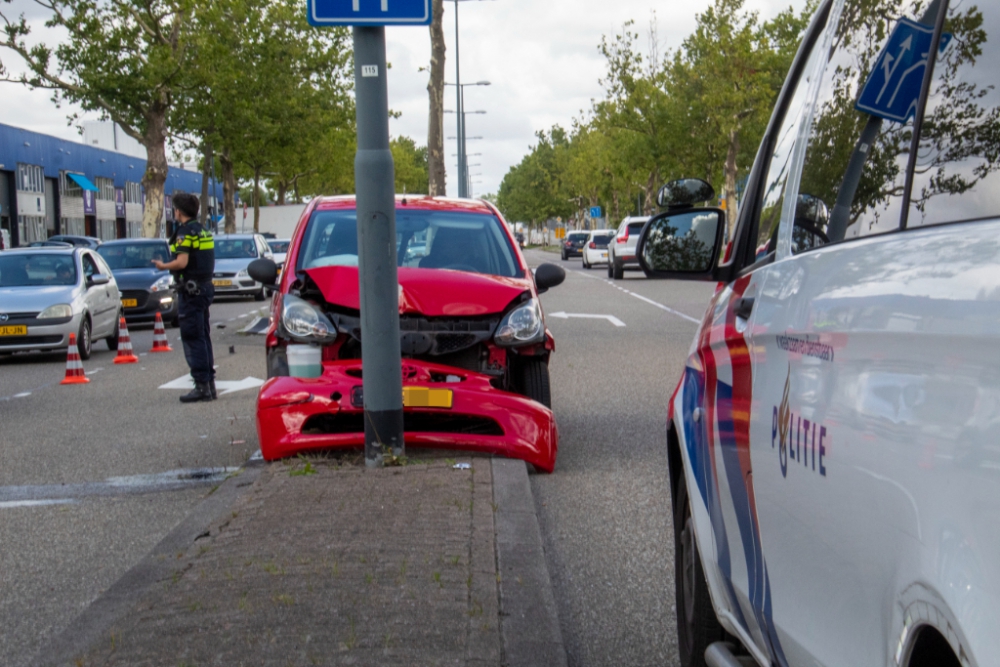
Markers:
(79, 241)
(473, 336)
(145, 290)
(233, 254)
(832, 442)
(621, 249)
(595, 250)
(573, 244)
(279, 248)
(48, 293)
(49, 244)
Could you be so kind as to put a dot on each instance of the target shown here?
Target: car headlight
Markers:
(302, 319)
(163, 284)
(242, 274)
(57, 311)
(521, 326)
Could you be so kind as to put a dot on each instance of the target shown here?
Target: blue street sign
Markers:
(595, 211)
(369, 12)
(893, 88)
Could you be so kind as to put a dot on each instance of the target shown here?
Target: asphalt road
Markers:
(605, 513)
(89, 480)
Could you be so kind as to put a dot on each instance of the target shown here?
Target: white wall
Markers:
(278, 220)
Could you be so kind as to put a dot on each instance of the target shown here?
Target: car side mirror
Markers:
(99, 279)
(682, 244)
(548, 276)
(264, 271)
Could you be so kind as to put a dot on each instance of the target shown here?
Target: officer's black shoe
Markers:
(201, 392)
(211, 386)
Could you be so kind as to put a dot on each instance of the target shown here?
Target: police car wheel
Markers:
(697, 626)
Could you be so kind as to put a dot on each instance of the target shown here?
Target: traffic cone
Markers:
(74, 367)
(125, 355)
(160, 343)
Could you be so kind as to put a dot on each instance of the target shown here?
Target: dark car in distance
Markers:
(91, 242)
(145, 289)
(573, 244)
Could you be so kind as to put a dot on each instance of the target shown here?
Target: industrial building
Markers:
(53, 186)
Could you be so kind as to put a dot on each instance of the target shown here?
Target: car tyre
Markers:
(563, 253)
(259, 296)
(533, 378)
(617, 271)
(113, 339)
(697, 625)
(610, 272)
(586, 264)
(84, 344)
(277, 363)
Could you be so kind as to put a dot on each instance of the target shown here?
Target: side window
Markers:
(89, 267)
(854, 173)
(957, 174)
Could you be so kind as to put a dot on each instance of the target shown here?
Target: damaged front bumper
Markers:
(297, 414)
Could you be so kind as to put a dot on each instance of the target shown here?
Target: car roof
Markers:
(417, 202)
(45, 250)
(241, 236)
(131, 241)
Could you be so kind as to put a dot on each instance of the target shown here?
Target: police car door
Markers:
(849, 398)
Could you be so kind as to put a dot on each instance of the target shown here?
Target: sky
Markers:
(541, 59)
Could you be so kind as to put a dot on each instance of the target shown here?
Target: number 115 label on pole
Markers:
(369, 12)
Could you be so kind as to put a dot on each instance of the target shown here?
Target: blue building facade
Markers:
(52, 186)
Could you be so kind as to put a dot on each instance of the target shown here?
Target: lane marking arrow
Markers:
(610, 318)
(224, 386)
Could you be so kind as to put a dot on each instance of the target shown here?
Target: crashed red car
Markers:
(472, 334)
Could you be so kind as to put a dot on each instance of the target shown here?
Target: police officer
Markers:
(192, 267)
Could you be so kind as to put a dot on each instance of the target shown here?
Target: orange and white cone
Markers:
(74, 367)
(125, 355)
(160, 343)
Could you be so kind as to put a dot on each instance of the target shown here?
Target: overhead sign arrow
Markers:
(588, 316)
(224, 386)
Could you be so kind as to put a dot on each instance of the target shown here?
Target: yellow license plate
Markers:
(425, 397)
(14, 330)
(222, 283)
(130, 303)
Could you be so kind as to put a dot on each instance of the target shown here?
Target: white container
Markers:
(304, 361)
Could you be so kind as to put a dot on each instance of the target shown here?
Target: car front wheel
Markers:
(697, 626)
(617, 271)
(533, 380)
(259, 296)
(112, 340)
(84, 344)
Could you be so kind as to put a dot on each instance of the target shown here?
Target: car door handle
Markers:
(743, 307)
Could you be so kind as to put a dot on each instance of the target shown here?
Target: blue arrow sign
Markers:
(893, 88)
(369, 12)
(595, 211)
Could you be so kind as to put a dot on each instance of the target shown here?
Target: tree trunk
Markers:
(156, 171)
(207, 157)
(256, 200)
(730, 182)
(228, 190)
(282, 190)
(649, 206)
(435, 91)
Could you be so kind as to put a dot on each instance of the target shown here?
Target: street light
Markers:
(463, 185)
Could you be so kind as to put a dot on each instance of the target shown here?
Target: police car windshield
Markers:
(235, 248)
(460, 241)
(37, 269)
(120, 256)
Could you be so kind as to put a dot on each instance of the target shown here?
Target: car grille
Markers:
(223, 275)
(413, 422)
(140, 297)
(19, 318)
(17, 341)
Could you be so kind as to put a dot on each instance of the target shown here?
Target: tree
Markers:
(410, 165)
(435, 94)
(125, 59)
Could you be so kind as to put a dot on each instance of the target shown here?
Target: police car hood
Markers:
(429, 292)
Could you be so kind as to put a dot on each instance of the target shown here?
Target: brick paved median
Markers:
(341, 566)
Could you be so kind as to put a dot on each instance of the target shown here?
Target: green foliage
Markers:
(698, 111)
(411, 166)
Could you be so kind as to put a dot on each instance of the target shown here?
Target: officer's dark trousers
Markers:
(196, 332)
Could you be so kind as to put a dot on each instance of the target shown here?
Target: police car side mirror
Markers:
(264, 271)
(682, 244)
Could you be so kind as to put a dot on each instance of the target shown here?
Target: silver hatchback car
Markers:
(48, 293)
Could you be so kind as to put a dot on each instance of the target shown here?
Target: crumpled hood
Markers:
(429, 292)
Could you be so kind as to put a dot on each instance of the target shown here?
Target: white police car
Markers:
(833, 442)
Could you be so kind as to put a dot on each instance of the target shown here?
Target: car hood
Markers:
(430, 292)
(137, 279)
(34, 299)
(233, 265)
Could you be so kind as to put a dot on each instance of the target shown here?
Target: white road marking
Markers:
(23, 394)
(224, 386)
(610, 318)
(642, 298)
(8, 504)
(96, 370)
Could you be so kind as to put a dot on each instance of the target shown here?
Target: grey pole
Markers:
(374, 183)
(460, 116)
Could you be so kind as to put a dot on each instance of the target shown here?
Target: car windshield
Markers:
(37, 269)
(278, 246)
(235, 248)
(461, 241)
(133, 255)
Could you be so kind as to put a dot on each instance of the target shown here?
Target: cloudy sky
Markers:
(540, 57)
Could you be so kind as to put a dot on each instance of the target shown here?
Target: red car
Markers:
(473, 338)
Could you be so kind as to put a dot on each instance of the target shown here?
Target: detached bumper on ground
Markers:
(296, 414)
